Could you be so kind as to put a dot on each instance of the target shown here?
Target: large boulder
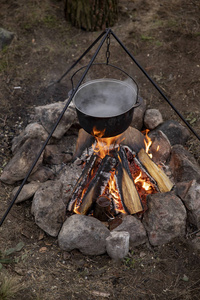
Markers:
(18, 167)
(84, 233)
(165, 218)
(48, 115)
(48, 207)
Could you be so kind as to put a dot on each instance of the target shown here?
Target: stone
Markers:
(68, 176)
(19, 165)
(42, 174)
(6, 38)
(84, 233)
(160, 147)
(61, 152)
(48, 115)
(48, 207)
(135, 228)
(191, 200)
(27, 191)
(165, 218)
(195, 243)
(152, 118)
(175, 132)
(33, 131)
(117, 244)
(138, 115)
(183, 165)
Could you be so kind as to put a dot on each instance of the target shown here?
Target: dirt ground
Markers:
(164, 37)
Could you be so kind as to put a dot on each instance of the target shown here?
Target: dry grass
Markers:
(9, 287)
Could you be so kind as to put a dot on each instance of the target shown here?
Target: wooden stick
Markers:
(163, 182)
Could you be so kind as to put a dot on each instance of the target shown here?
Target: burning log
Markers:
(85, 177)
(102, 209)
(128, 192)
(97, 185)
(163, 182)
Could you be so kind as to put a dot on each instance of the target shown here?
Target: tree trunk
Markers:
(91, 15)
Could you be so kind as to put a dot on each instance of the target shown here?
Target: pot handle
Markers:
(138, 102)
(105, 64)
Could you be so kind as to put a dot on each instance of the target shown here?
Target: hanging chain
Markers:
(108, 49)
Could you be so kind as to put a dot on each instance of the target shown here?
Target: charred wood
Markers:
(83, 180)
(97, 184)
(102, 208)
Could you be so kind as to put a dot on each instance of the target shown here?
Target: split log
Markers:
(163, 182)
(102, 209)
(97, 184)
(127, 190)
(84, 141)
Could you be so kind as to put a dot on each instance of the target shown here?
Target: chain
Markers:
(108, 49)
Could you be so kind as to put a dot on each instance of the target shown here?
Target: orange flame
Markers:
(112, 186)
(103, 146)
(145, 184)
(148, 143)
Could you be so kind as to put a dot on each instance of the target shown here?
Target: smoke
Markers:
(106, 97)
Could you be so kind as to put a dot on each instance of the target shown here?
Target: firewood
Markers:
(85, 177)
(97, 185)
(84, 141)
(128, 192)
(102, 208)
(163, 182)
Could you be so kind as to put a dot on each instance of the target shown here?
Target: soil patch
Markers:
(164, 38)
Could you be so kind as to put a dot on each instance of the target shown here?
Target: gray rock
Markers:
(117, 244)
(195, 243)
(48, 207)
(183, 165)
(27, 191)
(175, 132)
(138, 115)
(68, 176)
(33, 131)
(61, 152)
(18, 167)
(48, 115)
(191, 200)
(160, 147)
(6, 38)
(152, 118)
(42, 174)
(165, 218)
(135, 228)
(84, 233)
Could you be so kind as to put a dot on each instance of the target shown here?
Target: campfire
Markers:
(115, 179)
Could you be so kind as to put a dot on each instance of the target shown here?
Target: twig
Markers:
(4, 120)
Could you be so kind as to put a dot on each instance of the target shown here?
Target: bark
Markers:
(91, 15)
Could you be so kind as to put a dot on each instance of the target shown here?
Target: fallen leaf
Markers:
(43, 249)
